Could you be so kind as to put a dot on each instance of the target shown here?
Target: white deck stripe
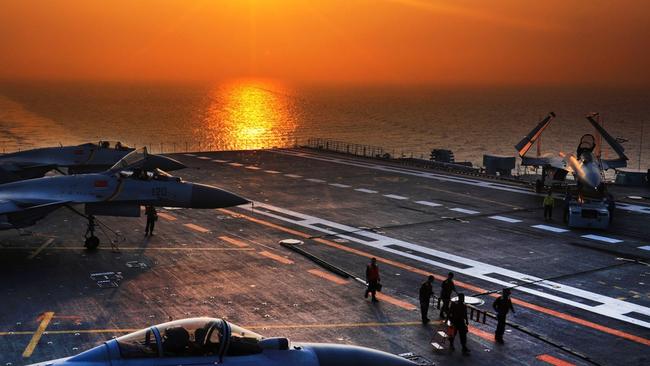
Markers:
(235, 164)
(602, 238)
(293, 175)
(427, 203)
(505, 219)
(464, 210)
(339, 185)
(252, 167)
(610, 307)
(442, 177)
(550, 228)
(189, 154)
(396, 197)
(364, 190)
(272, 171)
(204, 158)
(645, 247)
(220, 161)
(314, 180)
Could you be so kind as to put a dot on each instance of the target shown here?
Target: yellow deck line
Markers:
(276, 257)
(330, 277)
(198, 228)
(233, 241)
(35, 253)
(47, 317)
(166, 216)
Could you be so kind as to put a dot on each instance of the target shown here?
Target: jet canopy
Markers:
(195, 337)
(134, 159)
(117, 145)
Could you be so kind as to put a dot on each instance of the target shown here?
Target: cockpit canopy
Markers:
(117, 145)
(134, 159)
(144, 174)
(195, 337)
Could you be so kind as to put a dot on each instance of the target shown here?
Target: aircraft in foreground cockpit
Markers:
(84, 158)
(119, 191)
(211, 341)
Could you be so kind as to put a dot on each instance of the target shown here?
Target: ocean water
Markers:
(250, 114)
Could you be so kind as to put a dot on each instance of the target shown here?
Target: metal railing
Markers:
(347, 148)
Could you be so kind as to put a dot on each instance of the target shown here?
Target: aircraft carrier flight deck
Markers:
(582, 297)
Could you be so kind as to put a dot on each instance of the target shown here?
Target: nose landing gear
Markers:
(91, 242)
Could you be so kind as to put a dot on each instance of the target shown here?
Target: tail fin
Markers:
(527, 142)
(615, 145)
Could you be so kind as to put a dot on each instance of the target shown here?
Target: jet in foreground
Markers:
(119, 191)
(85, 158)
(210, 341)
(586, 165)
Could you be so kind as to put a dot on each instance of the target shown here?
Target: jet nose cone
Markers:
(163, 163)
(204, 196)
(340, 355)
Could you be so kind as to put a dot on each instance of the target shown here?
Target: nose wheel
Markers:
(92, 242)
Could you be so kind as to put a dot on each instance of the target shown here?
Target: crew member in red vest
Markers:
(372, 278)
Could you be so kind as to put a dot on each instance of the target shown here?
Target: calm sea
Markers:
(247, 114)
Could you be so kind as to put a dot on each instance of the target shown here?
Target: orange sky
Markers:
(340, 41)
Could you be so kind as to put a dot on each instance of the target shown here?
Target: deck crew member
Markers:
(458, 319)
(372, 279)
(426, 291)
(152, 216)
(549, 202)
(448, 287)
(502, 305)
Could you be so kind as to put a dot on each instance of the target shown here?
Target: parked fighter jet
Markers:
(210, 341)
(586, 165)
(85, 158)
(119, 191)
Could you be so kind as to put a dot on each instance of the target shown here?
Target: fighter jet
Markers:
(586, 165)
(85, 158)
(119, 191)
(211, 341)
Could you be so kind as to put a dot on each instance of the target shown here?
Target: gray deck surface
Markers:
(229, 264)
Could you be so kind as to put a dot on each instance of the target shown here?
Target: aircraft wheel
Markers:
(92, 242)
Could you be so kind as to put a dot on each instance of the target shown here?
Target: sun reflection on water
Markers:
(249, 115)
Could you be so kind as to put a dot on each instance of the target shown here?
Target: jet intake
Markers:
(113, 209)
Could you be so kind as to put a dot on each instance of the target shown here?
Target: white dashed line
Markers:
(645, 247)
(365, 190)
(505, 219)
(272, 171)
(601, 238)
(314, 180)
(189, 154)
(203, 158)
(464, 210)
(396, 197)
(339, 185)
(252, 167)
(293, 175)
(236, 164)
(220, 161)
(550, 228)
(427, 203)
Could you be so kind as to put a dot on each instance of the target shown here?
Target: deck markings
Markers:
(198, 228)
(236, 242)
(601, 238)
(397, 302)
(364, 190)
(253, 167)
(505, 219)
(552, 229)
(476, 289)
(276, 257)
(441, 177)
(293, 175)
(339, 185)
(235, 164)
(428, 203)
(31, 346)
(203, 157)
(314, 180)
(645, 247)
(606, 306)
(272, 171)
(328, 276)
(166, 216)
(481, 333)
(396, 197)
(219, 161)
(553, 360)
(464, 210)
(189, 155)
(40, 249)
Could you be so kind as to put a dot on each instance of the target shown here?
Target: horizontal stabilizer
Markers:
(527, 142)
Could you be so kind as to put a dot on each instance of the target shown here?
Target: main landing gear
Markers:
(92, 242)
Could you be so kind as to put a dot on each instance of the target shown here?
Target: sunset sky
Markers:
(497, 42)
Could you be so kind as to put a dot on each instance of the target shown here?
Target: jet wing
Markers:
(527, 142)
(10, 206)
(621, 162)
(11, 172)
